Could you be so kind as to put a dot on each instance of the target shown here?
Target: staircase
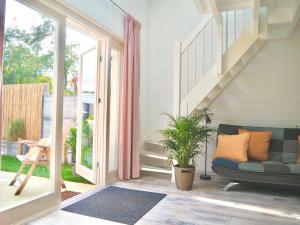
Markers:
(154, 159)
(228, 37)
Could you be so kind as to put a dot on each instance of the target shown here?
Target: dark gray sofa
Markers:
(280, 170)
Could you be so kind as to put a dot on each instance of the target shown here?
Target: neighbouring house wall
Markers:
(170, 21)
(69, 116)
(265, 93)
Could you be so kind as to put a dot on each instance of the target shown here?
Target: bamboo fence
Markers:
(25, 102)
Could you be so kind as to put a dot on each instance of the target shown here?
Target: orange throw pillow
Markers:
(233, 147)
(259, 144)
(298, 161)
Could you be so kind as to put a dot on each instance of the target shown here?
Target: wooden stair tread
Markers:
(154, 155)
(155, 169)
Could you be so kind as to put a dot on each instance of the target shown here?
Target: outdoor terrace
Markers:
(35, 188)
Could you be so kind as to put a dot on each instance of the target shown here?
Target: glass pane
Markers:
(114, 109)
(79, 98)
(88, 98)
(28, 70)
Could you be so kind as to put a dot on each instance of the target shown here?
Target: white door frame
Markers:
(77, 19)
(113, 130)
(98, 173)
(89, 174)
(38, 205)
(103, 111)
(62, 14)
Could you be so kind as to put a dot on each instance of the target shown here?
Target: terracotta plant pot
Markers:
(184, 177)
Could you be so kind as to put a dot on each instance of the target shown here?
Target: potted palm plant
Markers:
(184, 138)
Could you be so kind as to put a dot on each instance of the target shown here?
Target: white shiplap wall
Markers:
(267, 91)
(170, 21)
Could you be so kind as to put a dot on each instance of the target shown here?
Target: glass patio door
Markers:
(87, 116)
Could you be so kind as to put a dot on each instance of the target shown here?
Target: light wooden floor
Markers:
(206, 204)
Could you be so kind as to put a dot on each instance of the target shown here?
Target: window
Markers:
(32, 103)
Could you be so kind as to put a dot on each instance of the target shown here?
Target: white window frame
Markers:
(118, 46)
(103, 41)
(76, 19)
(62, 15)
(40, 205)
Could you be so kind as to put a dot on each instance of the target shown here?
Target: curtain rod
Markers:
(119, 7)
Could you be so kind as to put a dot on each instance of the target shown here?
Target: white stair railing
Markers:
(234, 23)
(197, 55)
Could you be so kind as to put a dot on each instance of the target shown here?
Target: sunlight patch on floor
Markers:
(248, 207)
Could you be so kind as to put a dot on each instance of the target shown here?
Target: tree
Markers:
(29, 55)
(71, 60)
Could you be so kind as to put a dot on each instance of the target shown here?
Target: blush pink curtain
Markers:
(129, 136)
(2, 22)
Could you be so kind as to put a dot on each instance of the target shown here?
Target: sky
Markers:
(19, 15)
(24, 17)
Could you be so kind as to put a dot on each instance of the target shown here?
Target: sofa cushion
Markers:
(259, 144)
(253, 166)
(275, 167)
(290, 151)
(282, 144)
(266, 166)
(294, 168)
(260, 167)
(233, 147)
(225, 163)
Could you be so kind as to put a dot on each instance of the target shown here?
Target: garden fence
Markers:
(25, 102)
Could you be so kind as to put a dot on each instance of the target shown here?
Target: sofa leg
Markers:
(230, 185)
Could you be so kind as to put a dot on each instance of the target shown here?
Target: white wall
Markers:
(265, 93)
(170, 21)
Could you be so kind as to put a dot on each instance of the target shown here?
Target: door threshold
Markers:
(80, 197)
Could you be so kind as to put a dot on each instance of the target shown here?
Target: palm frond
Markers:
(184, 136)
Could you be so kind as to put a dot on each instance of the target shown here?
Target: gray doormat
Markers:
(117, 204)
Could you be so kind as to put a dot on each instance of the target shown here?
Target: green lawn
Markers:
(12, 164)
